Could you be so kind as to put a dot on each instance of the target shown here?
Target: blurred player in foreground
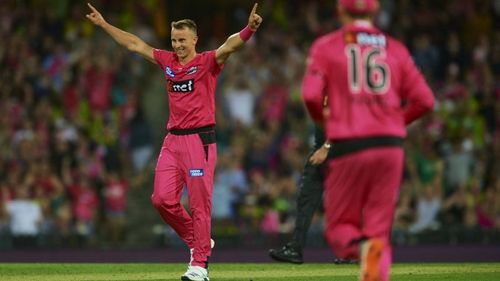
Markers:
(188, 154)
(374, 90)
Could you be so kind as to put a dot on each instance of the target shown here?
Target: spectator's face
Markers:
(183, 42)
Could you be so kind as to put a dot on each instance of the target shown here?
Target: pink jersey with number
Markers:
(372, 84)
(190, 87)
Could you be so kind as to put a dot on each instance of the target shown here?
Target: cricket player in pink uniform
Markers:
(374, 90)
(188, 154)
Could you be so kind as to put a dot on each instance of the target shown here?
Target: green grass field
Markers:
(244, 272)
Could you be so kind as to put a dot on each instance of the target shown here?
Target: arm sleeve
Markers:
(415, 91)
(314, 84)
(161, 57)
(212, 64)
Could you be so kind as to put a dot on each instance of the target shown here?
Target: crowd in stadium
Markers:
(79, 128)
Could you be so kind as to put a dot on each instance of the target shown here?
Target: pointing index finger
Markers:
(92, 8)
(254, 9)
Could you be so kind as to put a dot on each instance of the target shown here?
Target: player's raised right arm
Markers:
(126, 39)
(237, 40)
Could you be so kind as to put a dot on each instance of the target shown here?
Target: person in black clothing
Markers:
(308, 201)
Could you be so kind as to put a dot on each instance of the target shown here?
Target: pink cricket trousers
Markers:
(187, 160)
(361, 192)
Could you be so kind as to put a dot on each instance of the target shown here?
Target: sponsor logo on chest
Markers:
(185, 86)
(192, 70)
(196, 172)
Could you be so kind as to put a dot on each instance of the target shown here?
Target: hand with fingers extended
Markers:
(254, 20)
(95, 16)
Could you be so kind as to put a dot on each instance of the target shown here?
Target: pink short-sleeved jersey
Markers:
(373, 86)
(190, 88)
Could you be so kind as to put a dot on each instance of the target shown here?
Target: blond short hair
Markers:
(185, 23)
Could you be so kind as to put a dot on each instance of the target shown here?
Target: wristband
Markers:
(327, 145)
(246, 33)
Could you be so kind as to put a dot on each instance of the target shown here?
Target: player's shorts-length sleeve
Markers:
(210, 61)
(161, 57)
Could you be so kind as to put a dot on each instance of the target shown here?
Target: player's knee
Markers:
(160, 201)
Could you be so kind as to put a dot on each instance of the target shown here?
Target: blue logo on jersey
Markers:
(169, 72)
(196, 172)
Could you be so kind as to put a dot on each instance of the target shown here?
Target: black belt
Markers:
(190, 131)
(207, 133)
(343, 147)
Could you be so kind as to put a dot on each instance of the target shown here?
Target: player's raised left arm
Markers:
(237, 40)
(126, 39)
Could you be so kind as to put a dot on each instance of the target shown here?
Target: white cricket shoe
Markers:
(212, 244)
(195, 273)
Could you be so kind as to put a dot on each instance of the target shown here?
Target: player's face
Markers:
(183, 42)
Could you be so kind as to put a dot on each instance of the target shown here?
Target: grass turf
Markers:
(243, 272)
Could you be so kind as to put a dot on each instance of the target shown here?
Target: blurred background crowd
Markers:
(82, 121)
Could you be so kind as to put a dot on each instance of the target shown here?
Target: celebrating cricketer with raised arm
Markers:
(374, 90)
(188, 154)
